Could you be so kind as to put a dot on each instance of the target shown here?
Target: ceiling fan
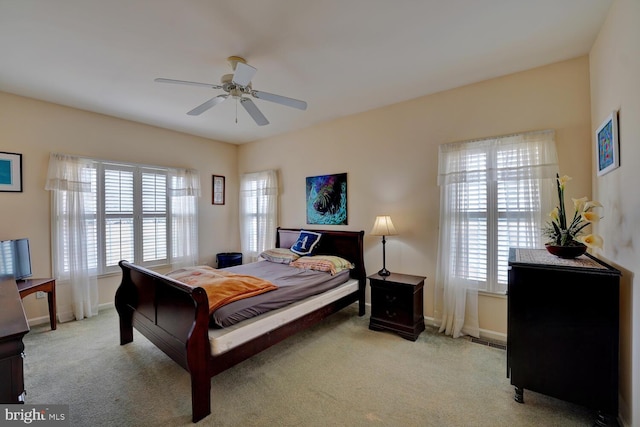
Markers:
(238, 86)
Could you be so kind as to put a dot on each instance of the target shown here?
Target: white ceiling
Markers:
(341, 56)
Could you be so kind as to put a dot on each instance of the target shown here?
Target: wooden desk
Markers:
(29, 286)
(13, 327)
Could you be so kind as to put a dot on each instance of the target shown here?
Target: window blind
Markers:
(493, 200)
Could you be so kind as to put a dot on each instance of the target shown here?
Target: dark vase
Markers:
(567, 252)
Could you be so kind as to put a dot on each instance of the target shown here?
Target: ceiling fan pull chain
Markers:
(236, 110)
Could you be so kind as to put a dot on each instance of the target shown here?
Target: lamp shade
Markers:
(383, 226)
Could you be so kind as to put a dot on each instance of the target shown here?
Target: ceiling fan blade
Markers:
(205, 106)
(289, 102)
(183, 82)
(253, 111)
(243, 74)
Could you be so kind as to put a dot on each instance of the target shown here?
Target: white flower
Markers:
(560, 231)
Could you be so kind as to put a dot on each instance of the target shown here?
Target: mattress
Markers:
(224, 339)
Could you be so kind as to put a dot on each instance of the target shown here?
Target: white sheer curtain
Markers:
(258, 212)
(494, 194)
(69, 180)
(184, 191)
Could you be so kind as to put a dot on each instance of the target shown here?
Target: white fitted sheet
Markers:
(224, 339)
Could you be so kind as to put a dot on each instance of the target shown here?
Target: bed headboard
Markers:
(346, 244)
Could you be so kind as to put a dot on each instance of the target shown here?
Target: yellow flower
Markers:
(580, 204)
(592, 204)
(554, 214)
(590, 217)
(592, 241)
(563, 180)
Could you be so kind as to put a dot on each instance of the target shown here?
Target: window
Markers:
(495, 195)
(130, 212)
(133, 220)
(258, 212)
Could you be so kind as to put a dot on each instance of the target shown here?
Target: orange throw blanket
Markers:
(222, 287)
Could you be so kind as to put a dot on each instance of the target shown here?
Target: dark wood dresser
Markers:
(563, 318)
(397, 304)
(13, 327)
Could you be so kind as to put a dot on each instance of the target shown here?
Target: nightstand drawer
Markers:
(392, 306)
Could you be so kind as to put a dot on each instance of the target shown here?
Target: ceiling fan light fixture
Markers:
(236, 86)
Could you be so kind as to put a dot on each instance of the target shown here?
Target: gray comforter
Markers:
(294, 284)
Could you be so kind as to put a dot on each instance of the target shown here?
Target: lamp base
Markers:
(384, 272)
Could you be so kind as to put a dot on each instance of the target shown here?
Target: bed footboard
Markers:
(173, 316)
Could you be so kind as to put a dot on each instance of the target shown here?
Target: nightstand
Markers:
(397, 304)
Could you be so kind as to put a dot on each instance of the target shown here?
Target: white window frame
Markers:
(480, 259)
(95, 212)
(137, 215)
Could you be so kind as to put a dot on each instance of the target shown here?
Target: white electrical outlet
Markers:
(41, 294)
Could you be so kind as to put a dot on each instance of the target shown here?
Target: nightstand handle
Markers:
(390, 314)
(390, 298)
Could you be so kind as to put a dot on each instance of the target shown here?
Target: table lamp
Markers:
(383, 227)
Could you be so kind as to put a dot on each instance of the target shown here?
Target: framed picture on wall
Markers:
(327, 199)
(217, 197)
(607, 147)
(10, 172)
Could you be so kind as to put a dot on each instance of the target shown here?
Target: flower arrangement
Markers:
(561, 234)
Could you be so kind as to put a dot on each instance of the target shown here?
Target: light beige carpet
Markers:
(338, 373)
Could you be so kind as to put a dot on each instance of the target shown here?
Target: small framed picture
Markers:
(218, 190)
(607, 146)
(10, 172)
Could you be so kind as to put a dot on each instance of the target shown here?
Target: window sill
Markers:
(105, 275)
(157, 268)
(492, 294)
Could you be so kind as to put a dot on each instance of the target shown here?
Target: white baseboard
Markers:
(487, 334)
(64, 316)
(493, 336)
(35, 321)
(484, 333)
(68, 316)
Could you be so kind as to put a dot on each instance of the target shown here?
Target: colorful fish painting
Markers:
(327, 199)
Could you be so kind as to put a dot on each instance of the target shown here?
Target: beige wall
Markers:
(35, 129)
(615, 74)
(390, 155)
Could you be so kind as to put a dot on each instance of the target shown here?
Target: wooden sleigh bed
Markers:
(175, 316)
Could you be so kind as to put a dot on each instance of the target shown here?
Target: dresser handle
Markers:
(390, 298)
(390, 314)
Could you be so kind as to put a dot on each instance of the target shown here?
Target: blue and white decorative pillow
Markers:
(307, 242)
